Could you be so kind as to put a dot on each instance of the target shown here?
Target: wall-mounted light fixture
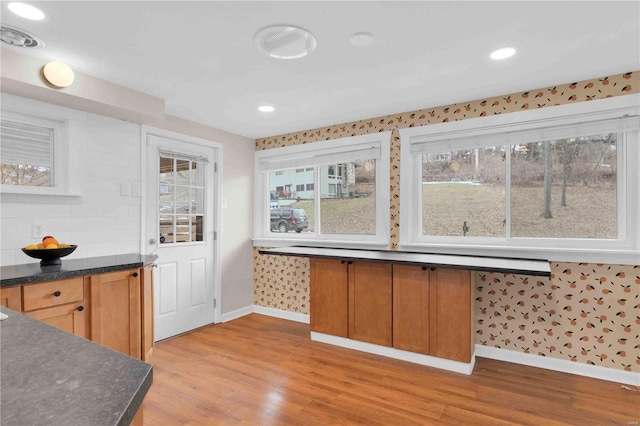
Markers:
(58, 74)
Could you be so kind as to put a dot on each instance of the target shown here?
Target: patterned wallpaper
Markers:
(581, 313)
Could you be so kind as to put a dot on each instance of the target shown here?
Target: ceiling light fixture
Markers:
(58, 74)
(503, 53)
(266, 108)
(26, 11)
(361, 39)
(285, 42)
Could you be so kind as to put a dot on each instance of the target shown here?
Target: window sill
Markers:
(283, 242)
(31, 191)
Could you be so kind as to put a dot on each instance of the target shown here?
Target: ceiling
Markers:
(201, 59)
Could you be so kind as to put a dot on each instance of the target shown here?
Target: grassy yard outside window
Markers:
(324, 193)
(559, 182)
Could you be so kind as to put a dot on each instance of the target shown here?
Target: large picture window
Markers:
(324, 192)
(558, 183)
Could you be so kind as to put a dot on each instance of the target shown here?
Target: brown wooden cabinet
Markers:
(411, 308)
(116, 310)
(329, 301)
(11, 297)
(58, 303)
(370, 302)
(451, 316)
(146, 293)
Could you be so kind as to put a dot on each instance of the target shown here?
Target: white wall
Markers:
(105, 152)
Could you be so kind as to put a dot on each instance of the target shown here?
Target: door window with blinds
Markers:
(325, 191)
(29, 147)
(564, 182)
(182, 195)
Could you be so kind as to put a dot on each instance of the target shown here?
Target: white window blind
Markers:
(322, 157)
(503, 135)
(26, 144)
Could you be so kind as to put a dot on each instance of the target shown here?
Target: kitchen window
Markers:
(33, 155)
(346, 209)
(558, 183)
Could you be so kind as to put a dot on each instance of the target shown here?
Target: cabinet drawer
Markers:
(54, 293)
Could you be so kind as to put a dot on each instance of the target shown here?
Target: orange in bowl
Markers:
(48, 240)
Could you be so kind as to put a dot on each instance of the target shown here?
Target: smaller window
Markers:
(300, 170)
(300, 187)
(33, 156)
(309, 187)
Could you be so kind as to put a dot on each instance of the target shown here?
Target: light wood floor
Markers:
(266, 371)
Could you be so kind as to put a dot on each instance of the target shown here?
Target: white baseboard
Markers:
(237, 313)
(430, 361)
(278, 313)
(564, 366)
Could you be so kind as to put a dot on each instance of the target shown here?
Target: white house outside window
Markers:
(558, 183)
(337, 191)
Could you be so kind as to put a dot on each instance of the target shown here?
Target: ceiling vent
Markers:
(285, 42)
(19, 38)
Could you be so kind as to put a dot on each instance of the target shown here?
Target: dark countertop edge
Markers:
(282, 252)
(34, 278)
(137, 400)
(66, 341)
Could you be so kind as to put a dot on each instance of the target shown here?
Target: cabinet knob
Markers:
(57, 293)
(342, 261)
(80, 308)
(424, 268)
(349, 262)
(135, 274)
(433, 269)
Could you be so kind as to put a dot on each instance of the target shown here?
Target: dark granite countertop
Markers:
(51, 377)
(30, 273)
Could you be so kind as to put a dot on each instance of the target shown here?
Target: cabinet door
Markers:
(451, 316)
(411, 308)
(68, 317)
(146, 293)
(370, 302)
(329, 301)
(11, 298)
(115, 311)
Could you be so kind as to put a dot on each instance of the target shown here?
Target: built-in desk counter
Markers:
(474, 263)
(418, 307)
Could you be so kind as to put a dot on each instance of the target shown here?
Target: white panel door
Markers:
(180, 231)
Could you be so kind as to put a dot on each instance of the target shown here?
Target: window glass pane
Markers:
(166, 229)
(348, 198)
(565, 188)
(197, 228)
(183, 172)
(167, 169)
(183, 226)
(463, 193)
(291, 203)
(20, 174)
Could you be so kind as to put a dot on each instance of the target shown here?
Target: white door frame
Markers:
(217, 202)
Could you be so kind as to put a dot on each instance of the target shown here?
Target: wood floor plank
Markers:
(259, 370)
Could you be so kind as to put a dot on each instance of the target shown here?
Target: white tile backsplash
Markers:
(106, 152)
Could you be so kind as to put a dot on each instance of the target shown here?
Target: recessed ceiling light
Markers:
(361, 39)
(26, 11)
(285, 42)
(503, 53)
(266, 108)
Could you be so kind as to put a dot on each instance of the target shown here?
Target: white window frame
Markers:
(623, 250)
(60, 170)
(270, 160)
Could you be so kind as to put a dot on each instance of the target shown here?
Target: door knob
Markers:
(152, 241)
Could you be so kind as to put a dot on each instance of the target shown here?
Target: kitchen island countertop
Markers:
(55, 378)
(30, 273)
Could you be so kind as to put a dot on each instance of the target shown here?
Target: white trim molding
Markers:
(416, 358)
(238, 313)
(278, 313)
(561, 365)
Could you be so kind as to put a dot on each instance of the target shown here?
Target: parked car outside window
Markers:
(287, 219)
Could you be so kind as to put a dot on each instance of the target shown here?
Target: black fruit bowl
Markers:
(50, 256)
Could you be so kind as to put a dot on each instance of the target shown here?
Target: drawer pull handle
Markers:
(80, 308)
(57, 293)
(135, 274)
